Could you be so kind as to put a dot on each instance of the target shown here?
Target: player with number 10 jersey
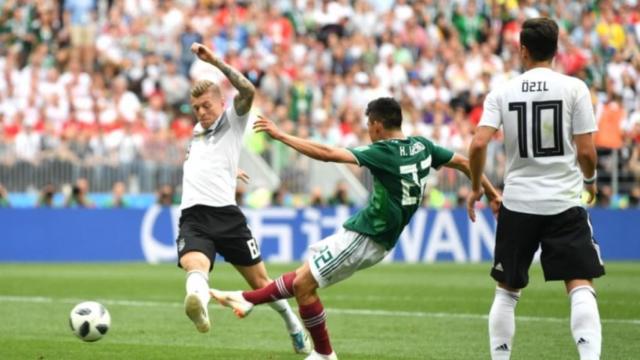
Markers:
(541, 111)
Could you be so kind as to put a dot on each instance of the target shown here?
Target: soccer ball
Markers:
(89, 321)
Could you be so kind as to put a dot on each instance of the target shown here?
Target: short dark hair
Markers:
(540, 37)
(385, 110)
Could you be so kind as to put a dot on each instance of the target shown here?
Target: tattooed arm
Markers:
(246, 90)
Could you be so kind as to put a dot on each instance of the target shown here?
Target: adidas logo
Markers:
(582, 341)
(498, 267)
(503, 347)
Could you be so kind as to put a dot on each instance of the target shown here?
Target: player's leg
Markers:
(256, 276)
(196, 254)
(312, 313)
(516, 244)
(331, 261)
(585, 318)
(502, 321)
(245, 256)
(570, 253)
(197, 266)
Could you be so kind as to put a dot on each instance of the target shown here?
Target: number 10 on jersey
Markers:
(555, 106)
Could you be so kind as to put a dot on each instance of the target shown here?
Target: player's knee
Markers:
(194, 260)
(302, 286)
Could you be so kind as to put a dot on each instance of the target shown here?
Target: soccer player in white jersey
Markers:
(211, 221)
(548, 124)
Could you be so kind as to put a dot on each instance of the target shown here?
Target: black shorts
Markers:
(568, 248)
(223, 230)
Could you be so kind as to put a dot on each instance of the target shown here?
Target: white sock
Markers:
(291, 320)
(198, 283)
(502, 323)
(585, 322)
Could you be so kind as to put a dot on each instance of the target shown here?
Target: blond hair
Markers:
(202, 86)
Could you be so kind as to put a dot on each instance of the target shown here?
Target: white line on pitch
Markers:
(361, 312)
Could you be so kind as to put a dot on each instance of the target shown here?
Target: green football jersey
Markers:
(400, 169)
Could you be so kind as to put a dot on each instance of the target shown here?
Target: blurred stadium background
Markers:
(98, 90)
(94, 113)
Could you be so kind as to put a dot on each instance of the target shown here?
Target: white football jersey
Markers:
(540, 112)
(211, 163)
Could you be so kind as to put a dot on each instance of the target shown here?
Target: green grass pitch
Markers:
(390, 311)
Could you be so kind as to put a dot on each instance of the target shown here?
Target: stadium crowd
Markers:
(96, 87)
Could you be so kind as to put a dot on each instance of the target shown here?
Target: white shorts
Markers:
(340, 255)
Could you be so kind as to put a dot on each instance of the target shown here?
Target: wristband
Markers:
(590, 180)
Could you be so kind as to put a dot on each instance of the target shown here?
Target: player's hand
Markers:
(203, 53)
(592, 190)
(495, 205)
(474, 195)
(242, 176)
(266, 125)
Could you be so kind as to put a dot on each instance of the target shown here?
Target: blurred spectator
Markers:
(469, 23)
(80, 16)
(165, 196)
(634, 162)
(155, 118)
(280, 197)
(174, 86)
(101, 88)
(45, 199)
(79, 195)
(316, 199)
(609, 29)
(28, 144)
(634, 197)
(604, 196)
(118, 193)
(127, 103)
(4, 197)
(461, 196)
(341, 195)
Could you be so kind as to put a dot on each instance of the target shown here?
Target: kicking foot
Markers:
(301, 342)
(316, 356)
(234, 300)
(197, 312)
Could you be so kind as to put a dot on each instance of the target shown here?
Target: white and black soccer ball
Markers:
(89, 321)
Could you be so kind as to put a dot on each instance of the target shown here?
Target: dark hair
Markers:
(540, 37)
(387, 111)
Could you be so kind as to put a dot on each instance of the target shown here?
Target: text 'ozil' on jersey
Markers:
(540, 111)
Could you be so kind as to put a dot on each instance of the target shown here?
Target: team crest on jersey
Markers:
(416, 148)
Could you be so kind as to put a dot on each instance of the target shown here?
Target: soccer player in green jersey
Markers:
(400, 165)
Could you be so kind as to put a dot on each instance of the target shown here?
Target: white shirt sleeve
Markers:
(491, 113)
(582, 119)
(238, 123)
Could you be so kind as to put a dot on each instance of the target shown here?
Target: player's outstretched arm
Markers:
(310, 148)
(477, 158)
(462, 164)
(246, 90)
